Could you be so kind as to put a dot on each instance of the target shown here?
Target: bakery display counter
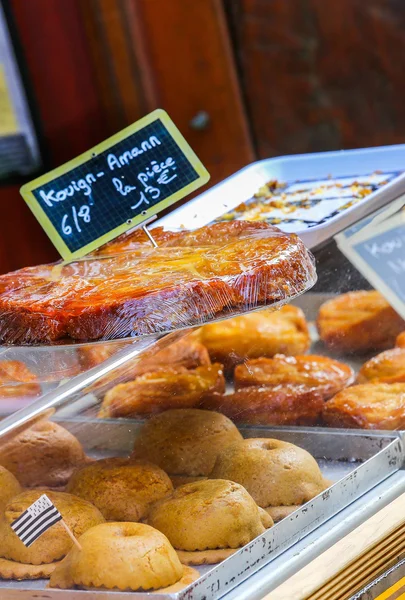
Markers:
(202, 452)
(351, 466)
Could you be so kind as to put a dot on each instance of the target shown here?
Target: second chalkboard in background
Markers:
(114, 186)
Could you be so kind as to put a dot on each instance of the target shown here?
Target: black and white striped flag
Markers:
(34, 521)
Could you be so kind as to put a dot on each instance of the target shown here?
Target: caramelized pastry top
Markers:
(257, 334)
(309, 372)
(16, 379)
(281, 405)
(368, 406)
(216, 270)
(167, 388)
(387, 367)
(359, 322)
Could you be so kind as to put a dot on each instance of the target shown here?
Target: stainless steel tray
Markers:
(241, 186)
(356, 460)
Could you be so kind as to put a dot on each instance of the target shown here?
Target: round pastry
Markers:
(185, 442)
(167, 388)
(51, 546)
(9, 487)
(359, 322)
(208, 515)
(275, 473)
(263, 333)
(368, 406)
(400, 341)
(127, 556)
(16, 380)
(282, 405)
(310, 372)
(45, 454)
(122, 490)
(387, 367)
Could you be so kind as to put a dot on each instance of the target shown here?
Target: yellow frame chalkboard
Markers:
(52, 232)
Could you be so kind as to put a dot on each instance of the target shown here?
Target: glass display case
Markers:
(280, 411)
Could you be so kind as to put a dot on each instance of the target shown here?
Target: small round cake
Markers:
(209, 515)
(78, 514)
(185, 442)
(122, 490)
(45, 455)
(9, 487)
(126, 556)
(275, 473)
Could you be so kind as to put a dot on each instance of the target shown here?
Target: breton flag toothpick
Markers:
(34, 521)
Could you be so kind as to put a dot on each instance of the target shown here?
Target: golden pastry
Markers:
(275, 473)
(51, 546)
(262, 333)
(307, 372)
(156, 290)
(16, 380)
(126, 556)
(184, 353)
(167, 388)
(122, 490)
(400, 341)
(282, 405)
(9, 487)
(45, 454)
(387, 367)
(368, 406)
(208, 515)
(185, 442)
(359, 322)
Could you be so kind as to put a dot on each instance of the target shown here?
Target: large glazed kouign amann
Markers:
(190, 278)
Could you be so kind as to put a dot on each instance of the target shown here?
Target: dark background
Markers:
(242, 79)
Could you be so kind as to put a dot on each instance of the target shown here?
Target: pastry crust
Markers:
(400, 341)
(167, 388)
(209, 515)
(121, 489)
(10, 569)
(45, 454)
(282, 405)
(275, 473)
(313, 373)
(16, 380)
(52, 545)
(368, 406)
(358, 322)
(387, 367)
(185, 441)
(198, 276)
(257, 334)
(127, 556)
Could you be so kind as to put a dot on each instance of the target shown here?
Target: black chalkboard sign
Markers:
(378, 252)
(115, 186)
